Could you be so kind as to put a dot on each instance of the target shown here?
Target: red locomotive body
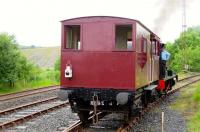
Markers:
(111, 60)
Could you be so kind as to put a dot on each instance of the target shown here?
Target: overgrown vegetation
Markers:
(57, 69)
(189, 104)
(186, 50)
(13, 66)
(17, 73)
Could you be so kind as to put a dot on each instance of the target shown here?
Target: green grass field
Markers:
(43, 57)
(188, 103)
(4, 89)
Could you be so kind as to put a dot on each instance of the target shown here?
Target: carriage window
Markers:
(73, 37)
(153, 47)
(144, 45)
(157, 48)
(123, 37)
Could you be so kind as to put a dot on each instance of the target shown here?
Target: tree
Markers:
(26, 69)
(188, 52)
(13, 66)
(57, 65)
(57, 69)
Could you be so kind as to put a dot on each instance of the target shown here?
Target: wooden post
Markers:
(162, 121)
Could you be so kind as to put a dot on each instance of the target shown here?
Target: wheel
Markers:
(130, 112)
(159, 94)
(149, 97)
(83, 115)
(134, 108)
(144, 99)
(154, 95)
(128, 115)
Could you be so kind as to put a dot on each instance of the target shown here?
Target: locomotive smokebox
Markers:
(63, 94)
(122, 98)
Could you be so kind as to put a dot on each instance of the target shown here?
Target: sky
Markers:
(37, 22)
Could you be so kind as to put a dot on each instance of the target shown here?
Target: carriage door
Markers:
(151, 65)
(154, 60)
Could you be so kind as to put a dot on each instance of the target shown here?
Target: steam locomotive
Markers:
(110, 64)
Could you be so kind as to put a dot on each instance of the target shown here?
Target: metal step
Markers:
(150, 87)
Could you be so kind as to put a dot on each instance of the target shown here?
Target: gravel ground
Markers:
(24, 112)
(173, 120)
(51, 122)
(107, 124)
(27, 99)
(151, 122)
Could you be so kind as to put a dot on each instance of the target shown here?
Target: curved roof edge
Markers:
(99, 16)
(76, 18)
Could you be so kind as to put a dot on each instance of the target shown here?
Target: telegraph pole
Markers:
(184, 28)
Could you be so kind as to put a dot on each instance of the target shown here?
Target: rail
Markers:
(77, 126)
(134, 121)
(27, 117)
(10, 96)
(26, 105)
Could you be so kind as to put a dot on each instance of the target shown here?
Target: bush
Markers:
(186, 50)
(13, 65)
(196, 95)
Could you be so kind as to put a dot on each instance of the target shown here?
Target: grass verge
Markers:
(44, 78)
(182, 75)
(188, 103)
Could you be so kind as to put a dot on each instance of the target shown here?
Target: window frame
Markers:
(158, 48)
(66, 38)
(154, 47)
(114, 37)
(143, 39)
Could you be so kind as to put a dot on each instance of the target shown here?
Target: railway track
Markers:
(20, 114)
(6, 97)
(198, 74)
(77, 126)
(184, 82)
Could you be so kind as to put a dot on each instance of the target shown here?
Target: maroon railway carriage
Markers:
(112, 61)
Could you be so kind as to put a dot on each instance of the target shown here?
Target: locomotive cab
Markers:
(108, 64)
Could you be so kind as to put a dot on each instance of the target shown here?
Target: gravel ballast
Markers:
(27, 99)
(50, 122)
(152, 121)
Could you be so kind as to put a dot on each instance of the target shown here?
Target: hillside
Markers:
(43, 57)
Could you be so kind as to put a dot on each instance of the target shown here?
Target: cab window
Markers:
(72, 37)
(123, 37)
(144, 45)
(154, 47)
